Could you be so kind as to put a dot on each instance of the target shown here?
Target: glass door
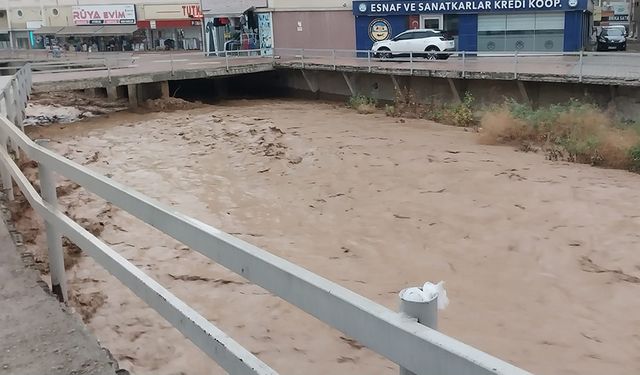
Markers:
(431, 21)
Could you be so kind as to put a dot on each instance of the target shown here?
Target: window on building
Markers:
(20, 14)
(452, 26)
(521, 32)
(55, 12)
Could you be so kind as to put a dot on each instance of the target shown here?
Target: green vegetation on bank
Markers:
(574, 131)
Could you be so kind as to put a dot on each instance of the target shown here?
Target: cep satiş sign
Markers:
(457, 6)
(104, 15)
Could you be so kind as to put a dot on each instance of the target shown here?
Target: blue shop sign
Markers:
(395, 8)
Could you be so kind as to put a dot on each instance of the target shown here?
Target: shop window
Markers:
(521, 32)
(491, 32)
(549, 32)
(452, 26)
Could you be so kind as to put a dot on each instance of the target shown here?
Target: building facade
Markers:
(481, 25)
(323, 24)
(265, 24)
(101, 25)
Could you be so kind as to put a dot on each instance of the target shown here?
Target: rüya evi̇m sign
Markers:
(104, 14)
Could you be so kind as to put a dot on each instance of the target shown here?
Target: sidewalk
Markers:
(37, 336)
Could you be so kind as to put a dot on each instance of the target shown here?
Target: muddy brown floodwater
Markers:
(541, 259)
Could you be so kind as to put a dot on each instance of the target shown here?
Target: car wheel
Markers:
(384, 53)
(431, 53)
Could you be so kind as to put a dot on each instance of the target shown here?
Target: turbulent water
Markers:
(540, 259)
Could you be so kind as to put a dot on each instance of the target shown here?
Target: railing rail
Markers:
(413, 346)
(594, 67)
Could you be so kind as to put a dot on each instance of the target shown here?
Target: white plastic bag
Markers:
(431, 291)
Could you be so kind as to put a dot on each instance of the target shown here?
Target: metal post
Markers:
(7, 182)
(581, 64)
(369, 60)
(171, 58)
(411, 63)
(515, 65)
(54, 238)
(464, 66)
(302, 56)
(425, 312)
(333, 58)
(226, 59)
(109, 72)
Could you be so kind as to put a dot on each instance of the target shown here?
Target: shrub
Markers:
(362, 104)
(390, 110)
(634, 158)
(573, 131)
(462, 114)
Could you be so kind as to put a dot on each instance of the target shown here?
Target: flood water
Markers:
(541, 259)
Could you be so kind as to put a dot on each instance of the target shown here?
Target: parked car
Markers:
(620, 27)
(421, 42)
(611, 38)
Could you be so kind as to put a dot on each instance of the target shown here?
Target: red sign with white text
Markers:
(192, 11)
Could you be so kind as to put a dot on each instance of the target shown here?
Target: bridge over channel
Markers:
(527, 76)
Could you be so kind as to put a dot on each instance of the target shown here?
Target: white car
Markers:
(421, 42)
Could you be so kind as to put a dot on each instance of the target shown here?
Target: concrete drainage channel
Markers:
(397, 336)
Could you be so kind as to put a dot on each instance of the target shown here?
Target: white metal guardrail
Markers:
(579, 65)
(415, 347)
(595, 67)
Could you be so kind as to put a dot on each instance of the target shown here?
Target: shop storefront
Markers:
(236, 25)
(172, 27)
(101, 28)
(481, 25)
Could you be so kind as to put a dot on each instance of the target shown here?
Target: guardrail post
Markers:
(171, 59)
(464, 66)
(302, 56)
(515, 65)
(581, 65)
(369, 60)
(411, 63)
(226, 59)
(426, 312)
(107, 63)
(7, 182)
(333, 58)
(54, 238)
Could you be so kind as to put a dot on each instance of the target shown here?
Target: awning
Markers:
(48, 30)
(87, 30)
(79, 30)
(117, 30)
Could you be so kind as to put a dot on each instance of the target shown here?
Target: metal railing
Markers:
(577, 66)
(415, 347)
(593, 67)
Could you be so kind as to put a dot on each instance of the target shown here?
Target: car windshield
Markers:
(612, 32)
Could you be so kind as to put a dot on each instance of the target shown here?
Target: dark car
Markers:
(611, 38)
